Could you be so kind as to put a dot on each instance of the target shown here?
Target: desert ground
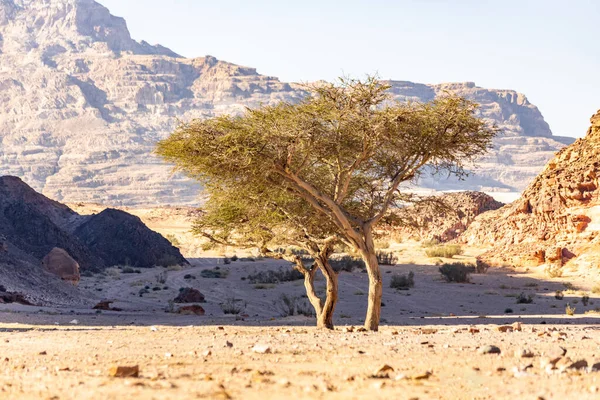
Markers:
(431, 344)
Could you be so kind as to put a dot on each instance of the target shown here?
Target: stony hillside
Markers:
(445, 219)
(557, 218)
(82, 105)
(35, 225)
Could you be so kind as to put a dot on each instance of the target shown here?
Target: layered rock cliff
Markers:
(557, 218)
(82, 105)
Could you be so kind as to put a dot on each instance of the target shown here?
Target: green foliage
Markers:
(215, 273)
(279, 276)
(457, 272)
(346, 263)
(403, 282)
(342, 152)
(445, 251)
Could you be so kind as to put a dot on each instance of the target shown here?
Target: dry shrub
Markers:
(445, 251)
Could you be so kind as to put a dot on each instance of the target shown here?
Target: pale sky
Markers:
(548, 50)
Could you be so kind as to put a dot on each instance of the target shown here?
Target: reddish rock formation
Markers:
(191, 310)
(445, 218)
(189, 295)
(558, 216)
(61, 264)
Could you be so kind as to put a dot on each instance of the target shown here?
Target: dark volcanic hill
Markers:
(120, 238)
(34, 225)
(82, 105)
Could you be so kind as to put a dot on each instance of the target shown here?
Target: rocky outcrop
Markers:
(445, 217)
(558, 216)
(37, 225)
(80, 115)
(61, 264)
(120, 238)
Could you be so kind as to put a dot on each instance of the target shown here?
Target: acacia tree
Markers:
(251, 216)
(344, 150)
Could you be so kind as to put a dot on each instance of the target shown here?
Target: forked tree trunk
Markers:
(323, 309)
(369, 256)
(325, 317)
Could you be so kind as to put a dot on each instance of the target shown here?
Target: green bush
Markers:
(403, 282)
(278, 276)
(215, 273)
(346, 263)
(457, 272)
(445, 251)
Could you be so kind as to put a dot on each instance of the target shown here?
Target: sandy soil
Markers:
(431, 336)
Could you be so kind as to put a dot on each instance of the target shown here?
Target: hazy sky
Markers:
(549, 50)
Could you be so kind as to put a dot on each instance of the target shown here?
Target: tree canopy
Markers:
(344, 151)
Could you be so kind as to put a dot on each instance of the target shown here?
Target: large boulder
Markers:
(61, 264)
(120, 238)
(189, 295)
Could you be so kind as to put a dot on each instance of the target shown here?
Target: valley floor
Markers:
(432, 337)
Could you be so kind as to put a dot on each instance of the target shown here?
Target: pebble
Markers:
(383, 372)
(261, 349)
(489, 349)
(524, 353)
(124, 371)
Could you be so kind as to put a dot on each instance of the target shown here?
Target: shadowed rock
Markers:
(37, 224)
(120, 238)
(189, 295)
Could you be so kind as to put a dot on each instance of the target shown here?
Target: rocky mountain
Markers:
(82, 105)
(557, 218)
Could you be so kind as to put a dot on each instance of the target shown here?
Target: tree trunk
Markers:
(309, 285)
(375, 283)
(325, 317)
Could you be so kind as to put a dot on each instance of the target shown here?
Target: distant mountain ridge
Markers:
(82, 105)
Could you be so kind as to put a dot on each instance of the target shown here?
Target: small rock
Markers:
(473, 330)
(228, 344)
(579, 364)
(505, 328)
(74, 322)
(153, 328)
(261, 349)
(517, 326)
(207, 353)
(489, 349)
(125, 372)
(383, 372)
(524, 353)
